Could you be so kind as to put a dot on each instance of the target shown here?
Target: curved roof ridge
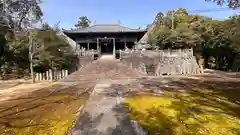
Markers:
(129, 27)
(106, 28)
(105, 24)
(114, 24)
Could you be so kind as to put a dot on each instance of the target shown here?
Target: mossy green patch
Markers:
(41, 113)
(196, 112)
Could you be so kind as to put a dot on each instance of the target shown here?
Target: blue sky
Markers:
(131, 13)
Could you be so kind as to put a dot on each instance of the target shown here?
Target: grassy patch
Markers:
(197, 112)
(41, 113)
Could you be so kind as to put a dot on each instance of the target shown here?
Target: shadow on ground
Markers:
(46, 111)
(209, 91)
(187, 105)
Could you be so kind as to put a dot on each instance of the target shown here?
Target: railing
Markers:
(83, 52)
(161, 53)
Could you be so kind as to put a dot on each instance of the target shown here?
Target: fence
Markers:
(86, 56)
(51, 75)
(83, 52)
(160, 53)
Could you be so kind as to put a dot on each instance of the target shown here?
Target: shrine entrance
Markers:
(106, 46)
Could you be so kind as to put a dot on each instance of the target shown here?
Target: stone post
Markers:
(63, 74)
(51, 75)
(37, 76)
(66, 72)
(120, 54)
(47, 75)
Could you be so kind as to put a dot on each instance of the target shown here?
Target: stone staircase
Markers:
(102, 69)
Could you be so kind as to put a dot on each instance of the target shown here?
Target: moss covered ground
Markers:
(43, 112)
(193, 112)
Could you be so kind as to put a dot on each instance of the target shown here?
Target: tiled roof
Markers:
(104, 28)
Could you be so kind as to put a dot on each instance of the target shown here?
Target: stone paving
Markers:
(103, 113)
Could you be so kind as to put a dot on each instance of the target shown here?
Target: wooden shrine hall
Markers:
(105, 38)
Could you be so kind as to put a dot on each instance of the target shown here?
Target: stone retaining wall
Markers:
(157, 63)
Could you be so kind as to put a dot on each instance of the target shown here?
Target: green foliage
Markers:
(213, 38)
(83, 22)
(15, 57)
(50, 51)
(230, 3)
(184, 26)
(20, 13)
(2, 39)
(17, 16)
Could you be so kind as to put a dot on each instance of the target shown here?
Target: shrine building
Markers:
(106, 38)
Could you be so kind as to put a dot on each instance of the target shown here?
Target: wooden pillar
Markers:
(114, 47)
(88, 46)
(125, 43)
(98, 46)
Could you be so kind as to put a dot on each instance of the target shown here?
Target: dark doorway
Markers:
(106, 46)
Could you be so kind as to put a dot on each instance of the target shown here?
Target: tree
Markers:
(47, 49)
(159, 19)
(184, 34)
(25, 45)
(83, 22)
(231, 3)
(210, 38)
(19, 14)
(3, 41)
(232, 28)
(14, 61)
(50, 51)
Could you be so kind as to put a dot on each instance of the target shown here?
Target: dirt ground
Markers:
(15, 88)
(46, 108)
(42, 108)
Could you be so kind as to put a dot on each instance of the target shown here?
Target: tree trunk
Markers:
(31, 58)
(206, 61)
(217, 62)
(31, 69)
(201, 61)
